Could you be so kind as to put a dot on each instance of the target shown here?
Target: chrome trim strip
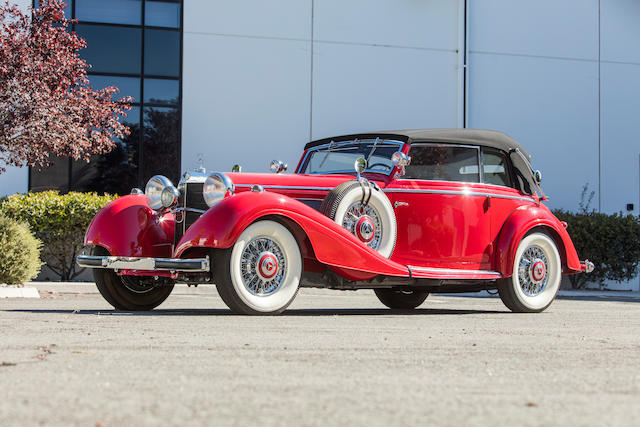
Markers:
(145, 264)
(187, 210)
(456, 193)
(287, 187)
(453, 270)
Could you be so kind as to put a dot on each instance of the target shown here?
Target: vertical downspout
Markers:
(466, 64)
(311, 77)
(599, 118)
(462, 63)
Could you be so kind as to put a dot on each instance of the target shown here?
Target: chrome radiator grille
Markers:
(190, 197)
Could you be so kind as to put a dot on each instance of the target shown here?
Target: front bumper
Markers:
(196, 265)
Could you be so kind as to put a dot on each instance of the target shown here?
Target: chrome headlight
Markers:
(160, 192)
(216, 187)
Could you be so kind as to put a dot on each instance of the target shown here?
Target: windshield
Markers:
(339, 157)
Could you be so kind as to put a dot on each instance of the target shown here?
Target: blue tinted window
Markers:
(162, 14)
(110, 11)
(112, 49)
(162, 53)
(129, 86)
(161, 146)
(161, 91)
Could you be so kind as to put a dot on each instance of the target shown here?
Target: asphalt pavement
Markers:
(334, 358)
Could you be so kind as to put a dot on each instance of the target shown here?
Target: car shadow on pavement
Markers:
(291, 312)
(600, 298)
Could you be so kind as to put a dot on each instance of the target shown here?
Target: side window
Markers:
(495, 167)
(440, 162)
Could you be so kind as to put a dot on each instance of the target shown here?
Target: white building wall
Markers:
(620, 104)
(259, 85)
(533, 73)
(15, 180)
(384, 65)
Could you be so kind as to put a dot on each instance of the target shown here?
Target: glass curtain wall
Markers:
(135, 45)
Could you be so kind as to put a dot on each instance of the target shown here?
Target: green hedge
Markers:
(59, 221)
(19, 252)
(611, 242)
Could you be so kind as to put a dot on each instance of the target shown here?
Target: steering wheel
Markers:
(386, 166)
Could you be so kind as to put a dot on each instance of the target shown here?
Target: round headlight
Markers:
(169, 196)
(216, 187)
(155, 192)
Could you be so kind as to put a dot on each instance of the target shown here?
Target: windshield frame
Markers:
(337, 144)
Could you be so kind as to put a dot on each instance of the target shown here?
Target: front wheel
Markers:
(130, 293)
(401, 299)
(260, 273)
(535, 281)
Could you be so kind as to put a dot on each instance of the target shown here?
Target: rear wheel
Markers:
(401, 299)
(260, 273)
(537, 271)
(130, 293)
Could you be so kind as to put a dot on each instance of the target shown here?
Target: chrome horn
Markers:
(400, 160)
(277, 166)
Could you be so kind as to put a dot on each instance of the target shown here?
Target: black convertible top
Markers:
(487, 138)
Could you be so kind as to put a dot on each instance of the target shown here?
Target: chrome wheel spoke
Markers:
(260, 253)
(354, 212)
(533, 271)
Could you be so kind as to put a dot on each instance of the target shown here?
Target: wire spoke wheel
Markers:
(537, 271)
(355, 220)
(263, 266)
(260, 273)
(532, 271)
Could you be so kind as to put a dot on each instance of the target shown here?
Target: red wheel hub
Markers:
(538, 270)
(365, 229)
(267, 266)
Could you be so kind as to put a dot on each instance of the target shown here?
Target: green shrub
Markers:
(611, 242)
(60, 221)
(19, 252)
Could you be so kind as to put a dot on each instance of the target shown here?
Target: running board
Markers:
(452, 273)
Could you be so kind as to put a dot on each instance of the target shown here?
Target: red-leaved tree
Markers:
(47, 107)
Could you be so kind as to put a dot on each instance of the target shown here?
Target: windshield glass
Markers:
(338, 157)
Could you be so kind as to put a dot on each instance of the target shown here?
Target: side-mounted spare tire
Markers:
(365, 211)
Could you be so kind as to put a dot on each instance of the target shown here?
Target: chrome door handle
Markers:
(396, 204)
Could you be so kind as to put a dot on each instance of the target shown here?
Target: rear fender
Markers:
(521, 222)
(127, 226)
(332, 245)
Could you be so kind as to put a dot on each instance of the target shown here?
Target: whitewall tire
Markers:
(537, 271)
(260, 273)
(372, 222)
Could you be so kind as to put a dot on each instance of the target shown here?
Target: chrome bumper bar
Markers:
(587, 266)
(195, 265)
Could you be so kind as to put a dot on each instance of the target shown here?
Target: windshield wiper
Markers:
(330, 148)
(375, 143)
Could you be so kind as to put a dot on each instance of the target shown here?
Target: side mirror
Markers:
(236, 168)
(360, 165)
(537, 175)
(277, 166)
(400, 160)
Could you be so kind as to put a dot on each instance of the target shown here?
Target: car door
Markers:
(441, 213)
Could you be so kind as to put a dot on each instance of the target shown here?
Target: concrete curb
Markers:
(12, 292)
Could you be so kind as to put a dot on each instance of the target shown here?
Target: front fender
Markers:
(223, 223)
(127, 226)
(519, 223)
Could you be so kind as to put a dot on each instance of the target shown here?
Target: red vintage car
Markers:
(405, 213)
